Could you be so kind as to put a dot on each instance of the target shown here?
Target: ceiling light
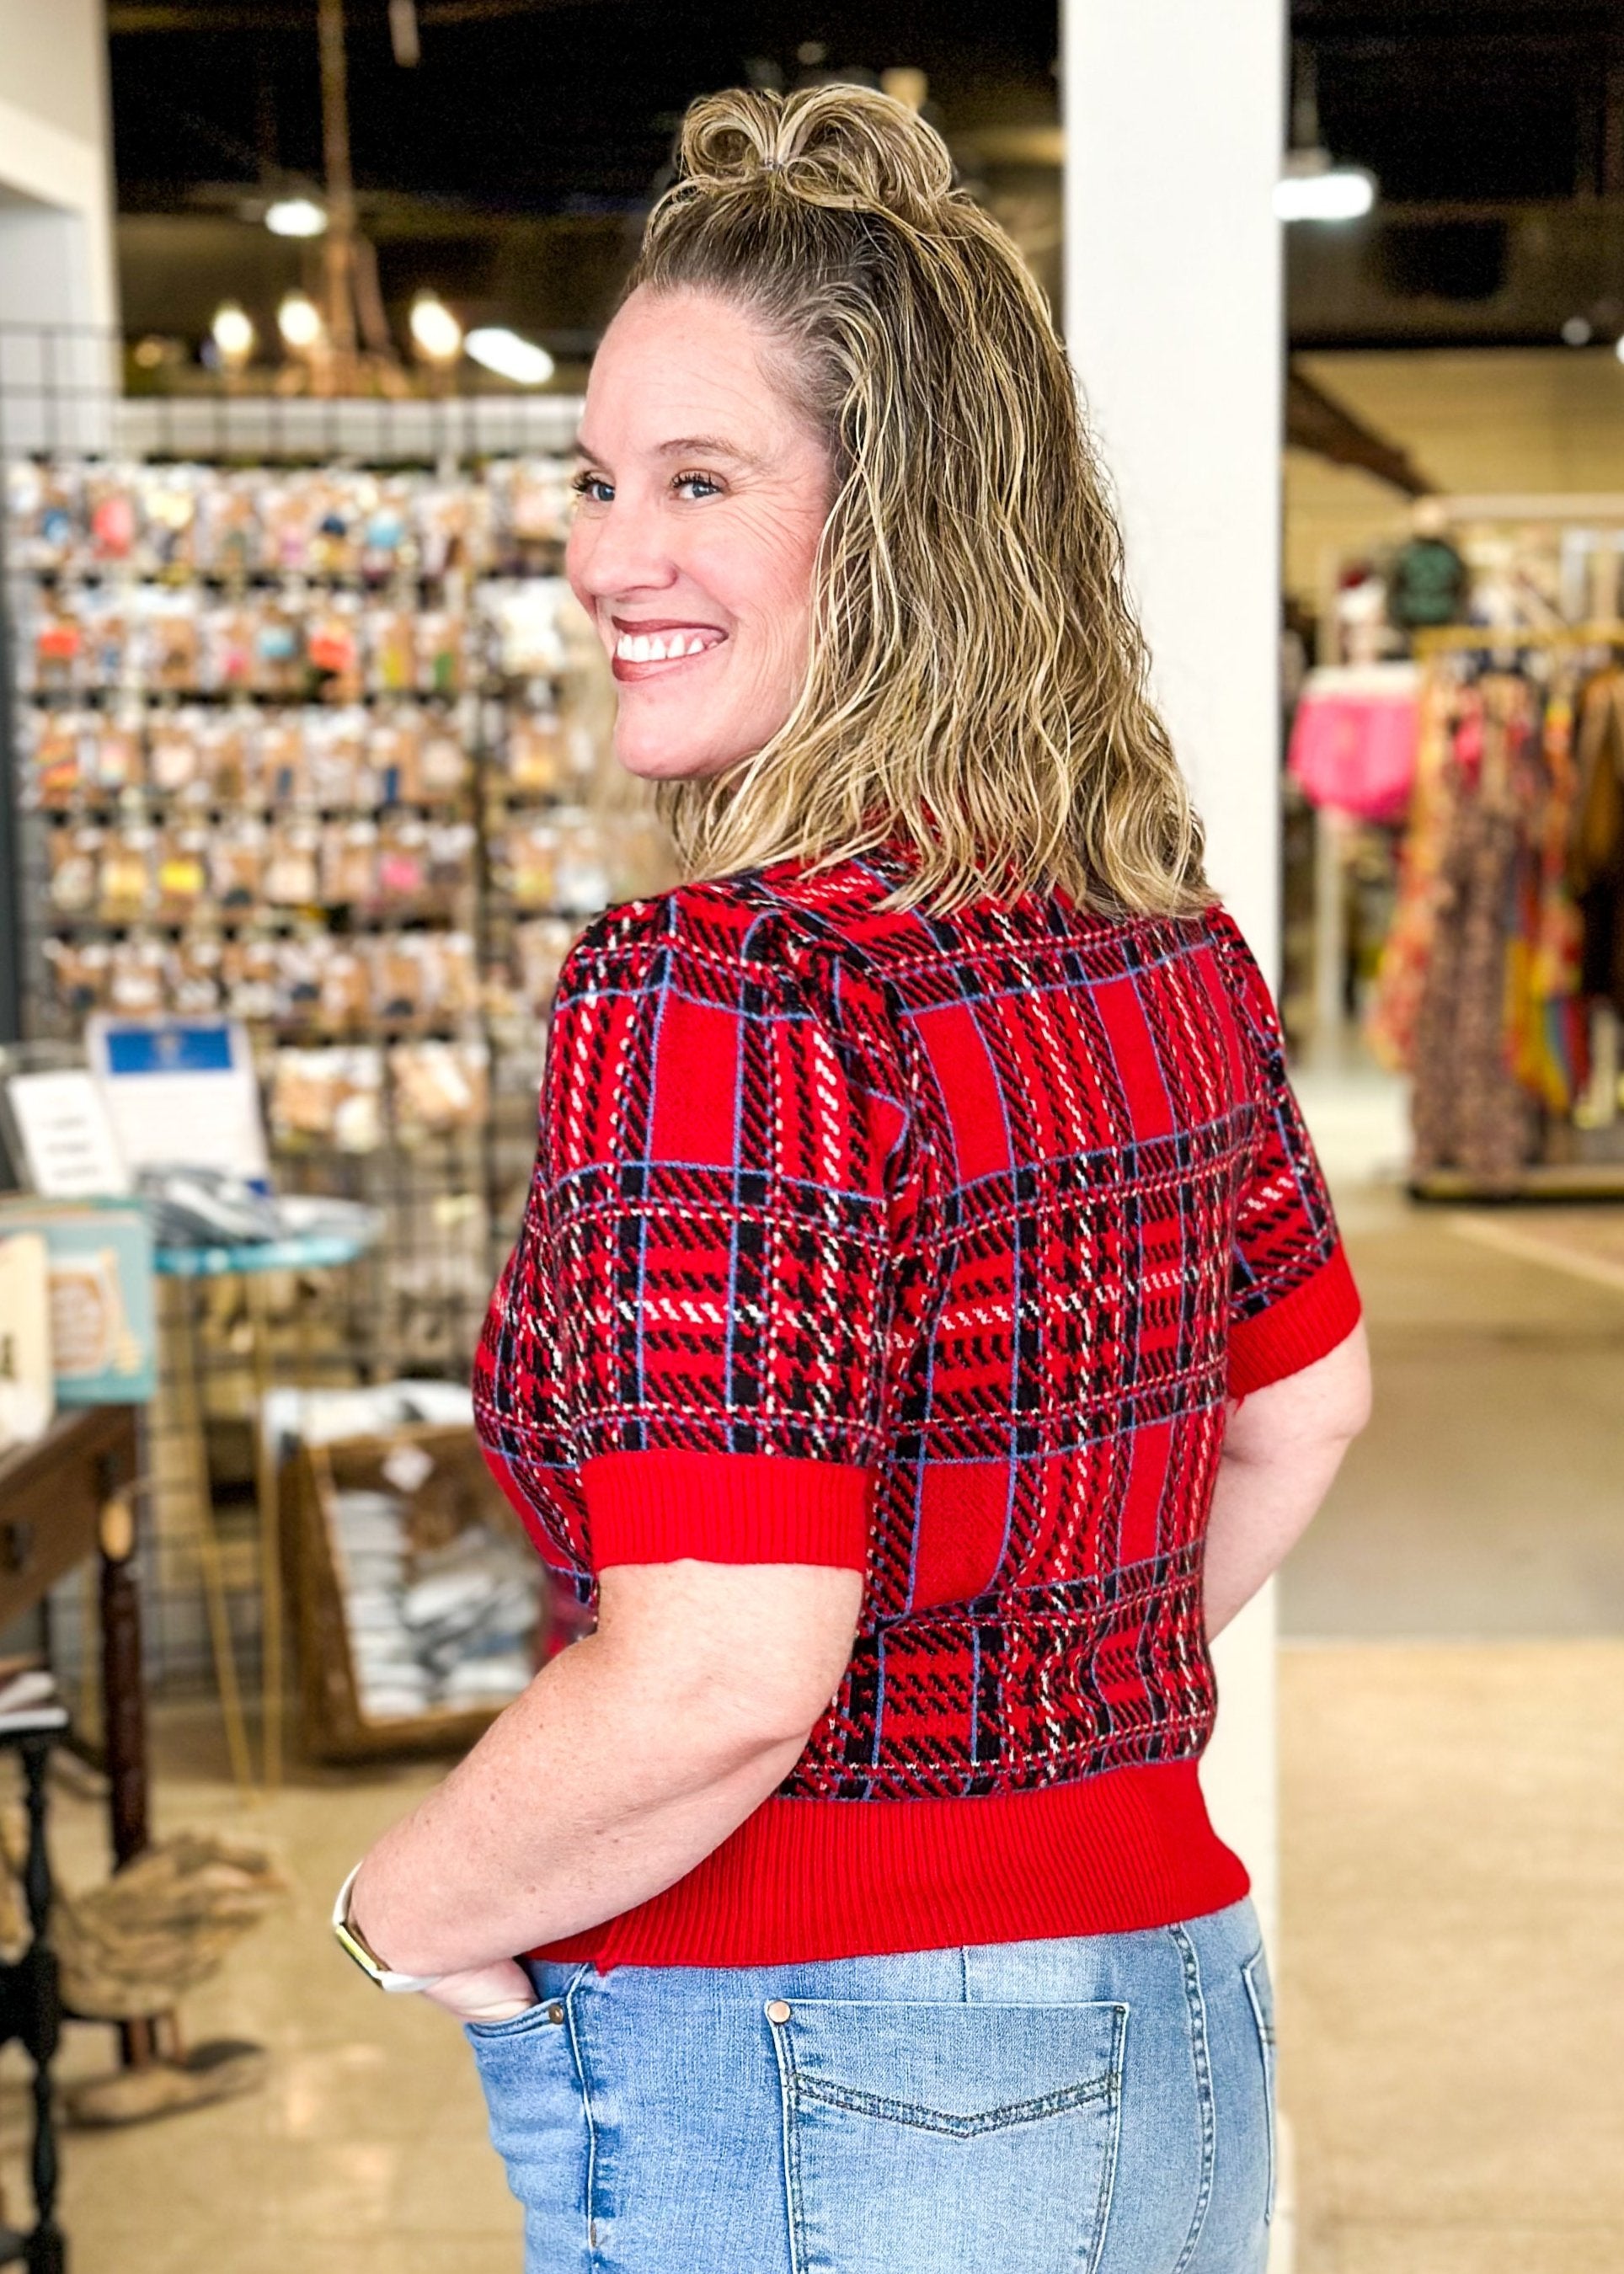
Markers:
(510, 357)
(298, 320)
(1312, 189)
(233, 333)
(906, 85)
(295, 217)
(434, 329)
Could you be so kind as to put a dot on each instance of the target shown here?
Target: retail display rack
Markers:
(304, 728)
(1499, 986)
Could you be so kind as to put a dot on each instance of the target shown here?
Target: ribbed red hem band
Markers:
(726, 1508)
(1304, 1326)
(807, 1880)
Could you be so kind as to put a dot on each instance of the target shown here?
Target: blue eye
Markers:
(697, 485)
(592, 487)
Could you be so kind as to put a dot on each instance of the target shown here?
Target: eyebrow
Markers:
(686, 445)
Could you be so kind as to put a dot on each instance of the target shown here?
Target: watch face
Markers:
(350, 1941)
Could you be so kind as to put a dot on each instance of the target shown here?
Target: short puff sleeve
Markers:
(688, 1355)
(1292, 1295)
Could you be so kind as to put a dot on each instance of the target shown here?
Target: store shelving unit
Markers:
(301, 732)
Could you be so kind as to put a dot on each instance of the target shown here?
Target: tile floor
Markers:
(1487, 1498)
(366, 2152)
(1452, 1977)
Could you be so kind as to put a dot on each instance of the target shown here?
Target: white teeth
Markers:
(651, 647)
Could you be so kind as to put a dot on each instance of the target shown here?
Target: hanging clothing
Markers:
(1550, 1052)
(1469, 1110)
(1353, 740)
(1401, 975)
(1595, 869)
(1508, 942)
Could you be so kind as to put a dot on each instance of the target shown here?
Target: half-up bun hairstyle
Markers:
(976, 681)
(837, 146)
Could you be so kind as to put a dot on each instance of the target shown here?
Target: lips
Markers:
(645, 649)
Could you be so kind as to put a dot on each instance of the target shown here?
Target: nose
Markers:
(617, 551)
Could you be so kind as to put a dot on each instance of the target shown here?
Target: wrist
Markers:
(358, 1946)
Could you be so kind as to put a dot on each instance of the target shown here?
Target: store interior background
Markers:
(1451, 1634)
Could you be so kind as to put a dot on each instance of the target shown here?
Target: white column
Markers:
(58, 269)
(1173, 114)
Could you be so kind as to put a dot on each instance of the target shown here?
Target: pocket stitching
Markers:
(919, 2118)
(1107, 2177)
(517, 2025)
(1266, 2049)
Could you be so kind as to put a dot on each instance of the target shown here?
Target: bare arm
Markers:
(629, 1759)
(1282, 1448)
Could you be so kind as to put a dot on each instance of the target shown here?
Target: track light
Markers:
(295, 217)
(435, 332)
(523, 361)
(298, 320)
(233, 333)
(1312, 189)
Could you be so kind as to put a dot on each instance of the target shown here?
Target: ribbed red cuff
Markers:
(1293, 1333)
(726, 1508)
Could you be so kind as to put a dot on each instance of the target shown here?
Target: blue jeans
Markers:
(1096, 2106)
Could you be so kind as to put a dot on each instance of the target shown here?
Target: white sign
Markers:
(69, 1150)
(181, 1093)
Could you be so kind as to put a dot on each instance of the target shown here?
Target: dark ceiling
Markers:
(509, 167)
(1452, 101)
(554, 105)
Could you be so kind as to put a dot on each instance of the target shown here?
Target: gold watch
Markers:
(371, 1965)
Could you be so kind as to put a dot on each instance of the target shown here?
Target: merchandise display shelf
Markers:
(319, 743)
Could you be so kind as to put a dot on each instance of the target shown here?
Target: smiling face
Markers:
(703, 493)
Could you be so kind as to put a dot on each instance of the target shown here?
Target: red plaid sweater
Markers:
(930, 1246)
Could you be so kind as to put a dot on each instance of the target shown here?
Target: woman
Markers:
(928, 1326)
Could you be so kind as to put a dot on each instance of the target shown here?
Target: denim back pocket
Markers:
(1261, 1994)
(932, 2139)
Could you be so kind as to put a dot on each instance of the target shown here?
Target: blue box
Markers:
(104, 1329)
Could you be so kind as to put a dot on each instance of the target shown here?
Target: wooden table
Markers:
(64, 1499)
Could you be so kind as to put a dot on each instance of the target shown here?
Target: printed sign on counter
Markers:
(69, 1152)
(181, 1093)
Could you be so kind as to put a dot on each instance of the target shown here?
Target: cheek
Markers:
(577, 551)
(765, 584)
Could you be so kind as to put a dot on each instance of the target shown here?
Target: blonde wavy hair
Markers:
(975, 680)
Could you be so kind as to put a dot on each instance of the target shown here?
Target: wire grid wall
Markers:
(522, 708)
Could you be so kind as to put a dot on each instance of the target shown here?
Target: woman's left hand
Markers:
(497, 1993)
